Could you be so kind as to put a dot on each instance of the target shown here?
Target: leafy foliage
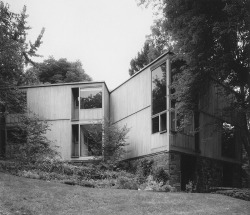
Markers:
(26, 140)
(144, 57)
(15, 52)
(143, 170)
(58, 71)
(212, 39)
(113, 141)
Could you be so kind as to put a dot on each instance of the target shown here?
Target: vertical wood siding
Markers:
(51, 103)
(60, 134)
(131, 97)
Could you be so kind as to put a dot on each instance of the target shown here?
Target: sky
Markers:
(103, 34)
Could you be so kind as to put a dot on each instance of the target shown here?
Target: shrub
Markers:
(190, 187)
(29, 174)
(144, 169)
(160, 175)
(124, 182)
(152, 185)
(113, 140)
(26, 140)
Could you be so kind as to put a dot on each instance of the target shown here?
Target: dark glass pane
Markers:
(172, 116)
(91, 140)
(159, 103)
(91, 98)
(155, 124)
(228, 140)
(163, 122)
(173, 128)
(75, 141)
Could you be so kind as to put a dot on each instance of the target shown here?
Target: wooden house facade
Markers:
(143, 104)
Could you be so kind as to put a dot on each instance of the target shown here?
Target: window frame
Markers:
(224, 154)
(91, 88)
(159, 64)
(79, 157)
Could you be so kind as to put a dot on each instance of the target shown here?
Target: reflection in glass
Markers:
(155, 124)
(75, 141)
(91, 140)
(159, 102)
(228, 140)
(91, 98)
(163, 122)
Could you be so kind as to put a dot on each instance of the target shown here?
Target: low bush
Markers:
(152, 185)
(238, 193)
(29, 174)
(124, 182)
(190, 187)
(160, 175)
(143, 170)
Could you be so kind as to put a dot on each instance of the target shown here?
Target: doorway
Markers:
(188, 166)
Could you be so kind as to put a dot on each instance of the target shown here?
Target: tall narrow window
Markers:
(75, 141)
(91, 98)
(228, 140)
(159, 100)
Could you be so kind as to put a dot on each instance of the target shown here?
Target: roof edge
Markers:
(62, 84)
(161, 56)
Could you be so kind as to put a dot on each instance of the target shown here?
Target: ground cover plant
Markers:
(89, 175)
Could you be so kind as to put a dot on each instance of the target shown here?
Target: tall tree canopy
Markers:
(26, 140)
(57, 71)
(210, 38)
(15, 53)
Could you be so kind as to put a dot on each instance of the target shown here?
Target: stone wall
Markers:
(207, 172)
(169, 161)
(175, 169)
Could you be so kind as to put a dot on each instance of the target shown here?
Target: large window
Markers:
(90, 143)
(90, 98)
(91, 140)
(159, 99)
(228, 140)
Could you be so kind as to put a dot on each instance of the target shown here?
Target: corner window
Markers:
(228, 140)
(90, 98)
(159, 99)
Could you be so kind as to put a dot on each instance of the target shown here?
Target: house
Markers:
(143, 104)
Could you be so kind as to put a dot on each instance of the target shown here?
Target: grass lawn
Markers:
(29, 196)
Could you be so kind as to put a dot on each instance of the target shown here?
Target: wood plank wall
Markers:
(132, 96)
(50, 103)
(130, 104)
(54, 104)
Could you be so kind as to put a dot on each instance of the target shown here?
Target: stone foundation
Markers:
(169, 161)
(204, 172)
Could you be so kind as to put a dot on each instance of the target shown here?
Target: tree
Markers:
(27, 141)
(58, 71)
(212, 38)
(15, 53)
(144, 57)
(112, 138)
(27, 136)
